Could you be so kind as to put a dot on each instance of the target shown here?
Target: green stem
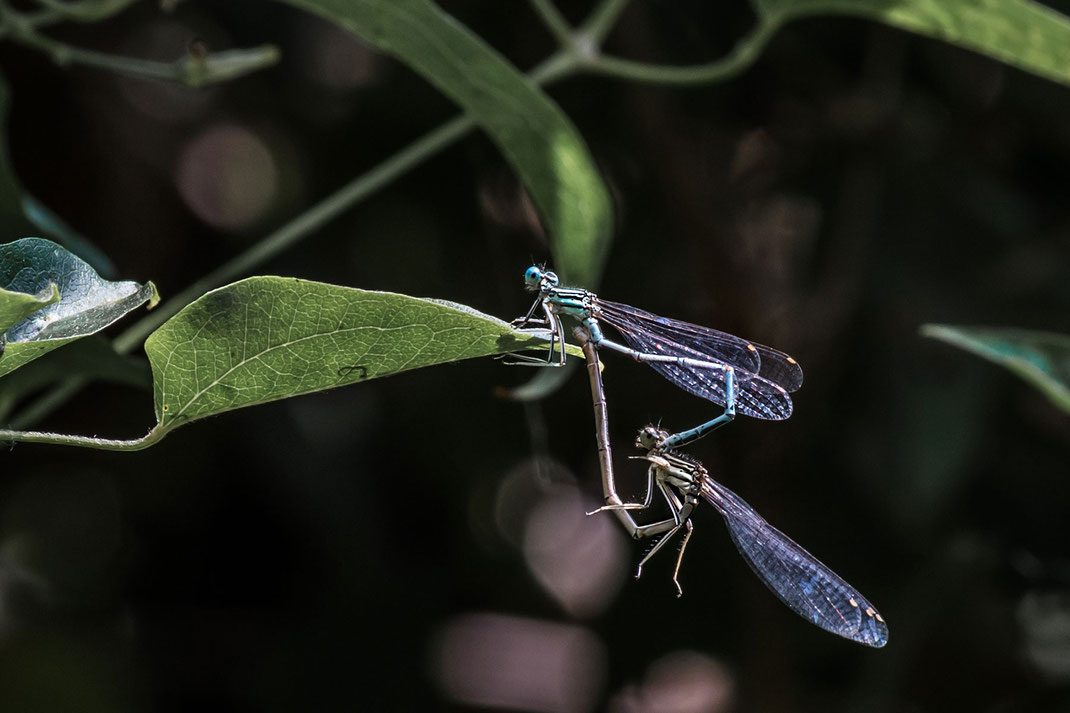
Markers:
(564, 63)
(602, 19)
(744, 54)
(301, 226)
(60, 439)
(326, 210)
(41, 18)
(555, 22)
(85, 10)
(554, 68)
(49, 402)
(192, 71)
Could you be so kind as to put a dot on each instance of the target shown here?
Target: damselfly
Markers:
(739, 375)
(796, 577)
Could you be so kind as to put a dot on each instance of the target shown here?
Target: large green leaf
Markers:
(268, 338)
(1041, 358)
(536, 137)
(1018, 32)
(87, 303)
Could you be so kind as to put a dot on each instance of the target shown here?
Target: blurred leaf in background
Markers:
(1042, 359)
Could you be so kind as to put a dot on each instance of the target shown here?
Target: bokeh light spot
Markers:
(521, 664)
(227, 177)
(579, 560)
(679, 682)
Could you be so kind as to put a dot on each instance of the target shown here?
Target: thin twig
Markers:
(602, 20)
(189, 70)
(62, 439)
(727, 67)
(553, 19)
(85, 10)
(556, 67)
(565, 62)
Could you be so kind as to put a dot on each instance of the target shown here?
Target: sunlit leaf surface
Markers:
(268, 338)
(1020, 33)
(87, 303)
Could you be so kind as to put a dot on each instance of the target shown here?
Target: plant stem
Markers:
(565, 62)
(301, 226)
(190, 70)
(326, 210)
(602, 19)
(45, 17)
(49, 402)
(555, 22)
(61, 439)
(85, 10)
(557, 66)
(744, 54)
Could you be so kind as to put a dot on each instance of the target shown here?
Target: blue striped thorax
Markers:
(571, 301)
(560, 300)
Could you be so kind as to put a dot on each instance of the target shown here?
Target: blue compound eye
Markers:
(532, 275)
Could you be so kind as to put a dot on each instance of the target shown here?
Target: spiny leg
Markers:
(676, 507)
(556, 332)
(683, 545)
(680, 559)
(528, 318)
(701, 430)
(647, 499)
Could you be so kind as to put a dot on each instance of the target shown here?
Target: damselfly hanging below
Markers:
(797, 578)
(739, 375)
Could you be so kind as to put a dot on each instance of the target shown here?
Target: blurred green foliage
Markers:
(850, 182)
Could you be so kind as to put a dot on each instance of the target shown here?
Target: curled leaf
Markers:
(86, 302)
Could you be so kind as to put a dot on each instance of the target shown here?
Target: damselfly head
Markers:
(537, 279)
(649, 437)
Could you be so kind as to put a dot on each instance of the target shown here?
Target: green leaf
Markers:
(16, 306)
(268, 338)
(1020, 33)
(1041, 358)
(536, 137)
(87, 303)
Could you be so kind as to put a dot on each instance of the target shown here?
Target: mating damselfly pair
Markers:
(736, 374)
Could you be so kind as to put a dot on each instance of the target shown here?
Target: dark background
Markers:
(417, 543)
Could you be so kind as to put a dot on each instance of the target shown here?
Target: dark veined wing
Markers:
(809, 588)
(779, 368)
(755, 396)
(711, 343)
(771, 364)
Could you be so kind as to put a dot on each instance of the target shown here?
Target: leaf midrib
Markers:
(259, 355)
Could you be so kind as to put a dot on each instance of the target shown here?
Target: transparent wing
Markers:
(755, 397)
(771, 364)
(779, 368)
(717, 346)
(809, 588)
